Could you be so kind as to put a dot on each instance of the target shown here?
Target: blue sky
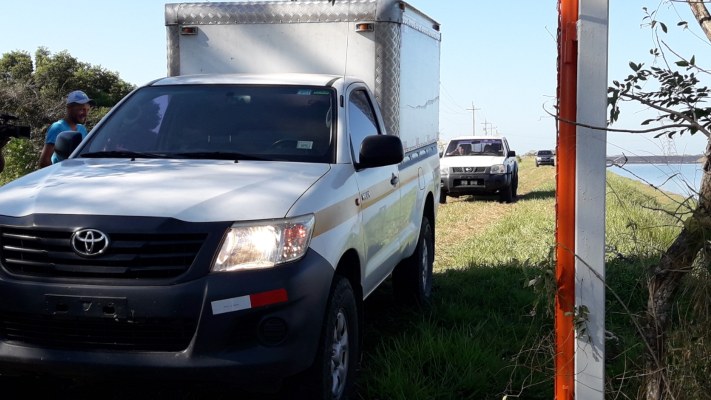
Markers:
(498, 56)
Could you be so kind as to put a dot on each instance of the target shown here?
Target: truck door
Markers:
(379, 190)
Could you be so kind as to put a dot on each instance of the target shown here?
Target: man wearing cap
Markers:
(78, 106)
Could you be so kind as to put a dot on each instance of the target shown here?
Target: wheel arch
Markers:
(349, 268)
(430, 211)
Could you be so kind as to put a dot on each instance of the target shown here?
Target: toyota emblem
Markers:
(89, 242)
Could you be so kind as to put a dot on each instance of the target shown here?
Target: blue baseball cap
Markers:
(79, 97)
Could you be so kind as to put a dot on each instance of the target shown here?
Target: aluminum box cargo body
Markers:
(390, 45)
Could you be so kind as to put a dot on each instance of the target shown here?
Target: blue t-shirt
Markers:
(57, 128)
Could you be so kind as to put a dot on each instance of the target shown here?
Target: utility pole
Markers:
(486, 127)
(473, 110)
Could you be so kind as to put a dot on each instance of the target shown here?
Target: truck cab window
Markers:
(361, 120)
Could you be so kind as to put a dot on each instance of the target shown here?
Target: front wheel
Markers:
(412, 279)
(506, 193)
(442, 196)
(333, 372)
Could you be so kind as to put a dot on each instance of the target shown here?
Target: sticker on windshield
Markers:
(304, 144)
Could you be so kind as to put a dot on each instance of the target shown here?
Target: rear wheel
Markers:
(412, 279)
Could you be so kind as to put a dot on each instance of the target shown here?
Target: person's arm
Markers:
(3, 142)
(46, 155)
(45, 158)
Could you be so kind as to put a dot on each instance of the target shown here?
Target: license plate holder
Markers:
(65, 306)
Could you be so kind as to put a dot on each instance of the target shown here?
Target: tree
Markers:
(680, 101)
(16, 66)
(35, 94)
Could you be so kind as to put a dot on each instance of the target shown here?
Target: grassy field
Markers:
(488, 333)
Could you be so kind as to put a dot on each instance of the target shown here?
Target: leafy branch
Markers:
(678, 99)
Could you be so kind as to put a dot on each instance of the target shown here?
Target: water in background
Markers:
(675, 178)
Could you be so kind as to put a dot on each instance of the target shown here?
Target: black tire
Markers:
(332, 375)
(442, 196)
(514, 183)
(536, 165)
(412, 279)
(506, 193)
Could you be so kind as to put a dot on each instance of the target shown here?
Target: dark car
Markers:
(545, 157)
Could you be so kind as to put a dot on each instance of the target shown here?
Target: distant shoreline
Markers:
(685, 159)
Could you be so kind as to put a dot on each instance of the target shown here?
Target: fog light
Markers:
(272, 331)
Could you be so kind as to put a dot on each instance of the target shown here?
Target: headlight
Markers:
(498, 169)
(264, 244)
(444, 171)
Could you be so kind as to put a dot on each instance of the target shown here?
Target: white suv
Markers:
(479, 165)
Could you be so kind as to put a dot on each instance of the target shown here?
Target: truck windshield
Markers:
(281, 123)
(475, 147)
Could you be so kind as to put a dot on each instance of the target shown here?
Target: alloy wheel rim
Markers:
(339, 355)
(424, 270)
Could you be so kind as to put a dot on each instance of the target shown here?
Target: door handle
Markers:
(394, 180)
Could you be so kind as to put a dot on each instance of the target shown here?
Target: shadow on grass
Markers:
(471, 343)
(494, 333)
(475, 198)
(533, 195)
(538, 195)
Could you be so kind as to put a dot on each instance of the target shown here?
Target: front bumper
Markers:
(474, 183)
(545, 161)
(250, 327)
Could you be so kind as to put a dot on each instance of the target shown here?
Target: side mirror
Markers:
(380, 150)
(66, 143)
(511, 153)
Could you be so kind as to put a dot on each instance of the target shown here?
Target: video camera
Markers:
(9, 129)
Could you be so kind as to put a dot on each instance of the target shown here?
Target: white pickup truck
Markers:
(229, 226)
(473, 165)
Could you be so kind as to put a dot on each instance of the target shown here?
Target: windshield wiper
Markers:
(124, 154)
(217, 155)
(197, 155)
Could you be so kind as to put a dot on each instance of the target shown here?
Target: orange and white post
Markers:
(580, 199)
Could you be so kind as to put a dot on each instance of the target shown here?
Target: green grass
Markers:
(488, 332)
(464, 347)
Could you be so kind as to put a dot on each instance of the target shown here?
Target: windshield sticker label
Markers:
(304, 144)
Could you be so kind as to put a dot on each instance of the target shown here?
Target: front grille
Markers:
(97, 333)
(48, 253)
(469, 170)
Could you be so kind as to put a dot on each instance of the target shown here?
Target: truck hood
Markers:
(470, 161)
(189, 190)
